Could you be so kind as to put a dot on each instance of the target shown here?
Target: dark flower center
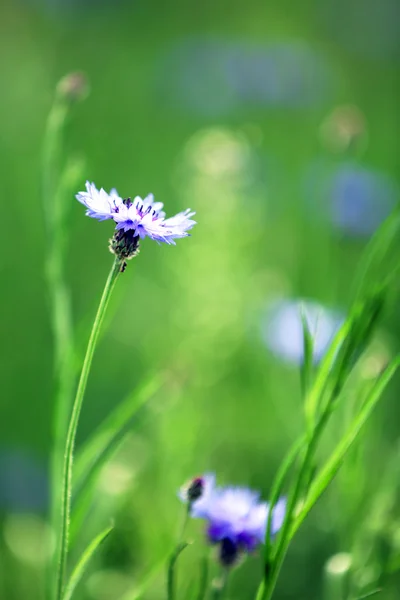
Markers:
(125, 245)
(228, 552)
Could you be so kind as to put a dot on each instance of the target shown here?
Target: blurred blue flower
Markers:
(282, 329)
(23, 482)
(352, 197)
(236, 518)
(142, 217)
(243, 74)
(361, 199)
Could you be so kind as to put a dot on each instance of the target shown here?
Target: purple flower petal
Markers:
(143, 216)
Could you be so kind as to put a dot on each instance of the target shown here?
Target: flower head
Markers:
(236, 518)
(140, 217)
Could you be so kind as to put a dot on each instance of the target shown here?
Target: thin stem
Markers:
(73, 425)
(180, 546)
(277, 490)
(58, 181)
(267, 588)
(204, 568)
(220, 586)
(60, 309)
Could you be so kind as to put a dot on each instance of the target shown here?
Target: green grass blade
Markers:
(315, 394)
(83, 562)
(375, 253)
(277, 489)
(328, 472)
(171, 575)
(369, 595)
(204, 576)
(147, 581)
(96, 450)
(276, 492)
(103, 444)
(308, 355)
(58, 183)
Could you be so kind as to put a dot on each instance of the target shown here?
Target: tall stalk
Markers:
(73, 426)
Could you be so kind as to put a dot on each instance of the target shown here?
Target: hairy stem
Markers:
(73, 426)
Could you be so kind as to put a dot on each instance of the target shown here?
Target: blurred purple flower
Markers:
(282, 329)
(352, 197)
(23, 482)
(242, 74)
(236, 518)
(361, 199)
(142, 217)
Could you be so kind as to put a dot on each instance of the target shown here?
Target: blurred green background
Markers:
(278, 124)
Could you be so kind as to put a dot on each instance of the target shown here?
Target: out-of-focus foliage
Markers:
(277, 123)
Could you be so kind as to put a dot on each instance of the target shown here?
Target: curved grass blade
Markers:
(308, 354)
(103, 444)
(80, 568)
(274, 497)
(148, 579)
(276, 491)
(114, 426)
(369, 595)
(333, 464)
(204, 575)
(375, 253)
(171, 579)
(314, 396)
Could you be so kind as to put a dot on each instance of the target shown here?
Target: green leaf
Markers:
(377, 255)
(333, 464)
(314, 397)
(369, 595)
(113, 427)
(308, 354)
(171, 579)
(204, 574)
(277, 488)
(104, 442)
(80, 568)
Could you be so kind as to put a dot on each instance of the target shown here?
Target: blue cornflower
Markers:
(282, 328)
(138, 217)
(236, 513)
(236, 518)
(361, 199)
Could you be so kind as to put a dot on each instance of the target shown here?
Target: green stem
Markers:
(276, 492)
(220, 586)
(267, 588)
(73, 426)
(60, 309)
(180, 546)
(203, 577)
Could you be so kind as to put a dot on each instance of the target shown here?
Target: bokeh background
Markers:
(277, 122)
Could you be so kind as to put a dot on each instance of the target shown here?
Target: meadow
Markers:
(276, 123)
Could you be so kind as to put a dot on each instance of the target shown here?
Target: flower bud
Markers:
(73, 87)
(125, 245)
